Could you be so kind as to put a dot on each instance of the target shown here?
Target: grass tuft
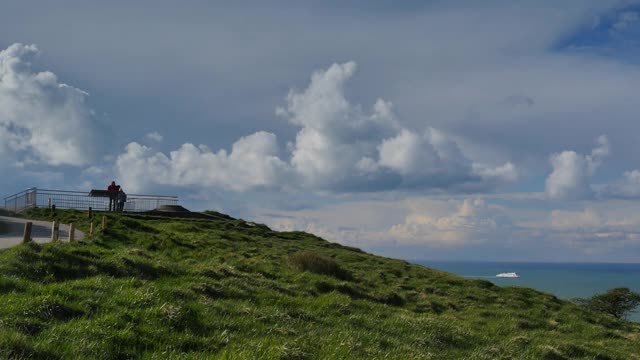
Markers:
(318, 264)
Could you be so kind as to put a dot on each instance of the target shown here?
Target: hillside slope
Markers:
(180, 288)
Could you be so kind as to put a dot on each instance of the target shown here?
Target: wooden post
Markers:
(92, 230)
(90, 213)
(104, 224)
(27, 232)
(55, 227)
(72, 232)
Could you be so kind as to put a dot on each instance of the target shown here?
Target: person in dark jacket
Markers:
(113, 194)
(122, 198)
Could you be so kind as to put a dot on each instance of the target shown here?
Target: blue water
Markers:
(565, 280)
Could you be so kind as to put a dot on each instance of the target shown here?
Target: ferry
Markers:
(508, 275)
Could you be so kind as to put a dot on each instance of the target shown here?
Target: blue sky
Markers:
(505, 130)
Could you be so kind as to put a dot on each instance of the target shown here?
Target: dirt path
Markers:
(41, 231)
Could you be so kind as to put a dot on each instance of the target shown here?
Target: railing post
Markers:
(26, 237)
(55, 227)
(72, 231)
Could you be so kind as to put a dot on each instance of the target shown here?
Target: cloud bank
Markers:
(339, 147)
(472, 221)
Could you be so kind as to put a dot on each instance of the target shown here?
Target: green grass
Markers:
(160, 288)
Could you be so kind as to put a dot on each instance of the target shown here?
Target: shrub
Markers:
(316, 263)
(618, 302)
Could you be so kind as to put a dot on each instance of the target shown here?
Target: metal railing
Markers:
(34, 197)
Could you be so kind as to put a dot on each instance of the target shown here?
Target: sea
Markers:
(565, 280)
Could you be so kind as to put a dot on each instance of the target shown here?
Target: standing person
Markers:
(113, 193)
(122, 198)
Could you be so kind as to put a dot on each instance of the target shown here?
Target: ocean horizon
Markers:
(564, 280)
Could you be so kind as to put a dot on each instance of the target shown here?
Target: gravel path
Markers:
(41, 231)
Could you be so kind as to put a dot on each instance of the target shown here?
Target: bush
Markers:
(316, 263)
(619, 302)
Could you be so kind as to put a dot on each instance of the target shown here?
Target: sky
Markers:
(444, 130)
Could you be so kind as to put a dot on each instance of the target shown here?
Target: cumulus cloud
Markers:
(41, 119)
(572, 173)
(336, 138)
(339, 147)
(570, 178)
(252, 163)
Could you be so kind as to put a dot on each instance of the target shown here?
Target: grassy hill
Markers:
(164, 288)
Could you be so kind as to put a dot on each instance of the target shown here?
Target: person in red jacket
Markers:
(113, 193)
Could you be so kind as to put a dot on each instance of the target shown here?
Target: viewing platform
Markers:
(42, 198)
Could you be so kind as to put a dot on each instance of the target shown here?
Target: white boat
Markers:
(508, 275)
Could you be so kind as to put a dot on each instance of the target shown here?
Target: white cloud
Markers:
(336, 138)
(41, 119)
(427, 155)
(572, 173)
(338, 147)
(252, 163)
(507, 173)
(154, 136)
(570, 178)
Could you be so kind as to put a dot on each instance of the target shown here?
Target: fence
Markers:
(35, 197)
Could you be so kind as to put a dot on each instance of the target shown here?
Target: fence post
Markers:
(104, 224)
(92, 230)
(27, 232)
(72, 232)
(90, 213)
(55, 227)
